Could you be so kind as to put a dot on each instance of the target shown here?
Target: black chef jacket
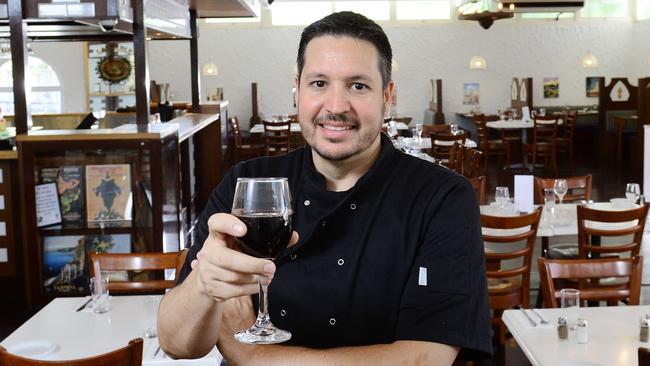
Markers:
(399, 256)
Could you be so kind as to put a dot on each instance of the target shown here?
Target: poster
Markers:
(592, 87)
(552, 87)
(470, 93)
(108, 192)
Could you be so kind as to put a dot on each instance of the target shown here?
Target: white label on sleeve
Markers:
(422, 278)
(3, 228)
(4, 256)
(1, 176)
(2, 202)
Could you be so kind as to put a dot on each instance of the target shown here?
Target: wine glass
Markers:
(632, 192)
(264, 206)
(560, 187)
(501, 196)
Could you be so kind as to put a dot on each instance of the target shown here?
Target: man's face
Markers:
(341, 102)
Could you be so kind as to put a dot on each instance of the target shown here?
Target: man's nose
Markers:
(337, 100)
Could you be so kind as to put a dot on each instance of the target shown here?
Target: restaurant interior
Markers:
(118, 118)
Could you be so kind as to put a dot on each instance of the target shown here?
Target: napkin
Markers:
(524, 193)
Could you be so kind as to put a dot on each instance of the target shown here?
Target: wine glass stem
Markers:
(263, 311)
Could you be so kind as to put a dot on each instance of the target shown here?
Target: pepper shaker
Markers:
(562, 328)
(643, 331)
(582, 334)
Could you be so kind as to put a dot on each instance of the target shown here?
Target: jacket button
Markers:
(340, 261)
(323, 223)
(332, 321)
(307, 203)
(283, 312)
(353, 207)
(294, 256)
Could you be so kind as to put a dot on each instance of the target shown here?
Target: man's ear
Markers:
(388, 95)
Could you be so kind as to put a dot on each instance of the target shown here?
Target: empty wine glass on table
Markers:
(501, 196)
(632, 192)
(560, 187)
(264, 206)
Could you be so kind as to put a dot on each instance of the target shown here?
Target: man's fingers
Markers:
(222, 225)
(294, 238)
(239, 262)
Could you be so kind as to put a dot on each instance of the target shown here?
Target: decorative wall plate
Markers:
(114, 69)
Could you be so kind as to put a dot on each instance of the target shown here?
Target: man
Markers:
(387, 263)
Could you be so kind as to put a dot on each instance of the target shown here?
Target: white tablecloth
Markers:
(84, 334)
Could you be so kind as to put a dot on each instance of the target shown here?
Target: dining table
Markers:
(612, 336)
(67, 329)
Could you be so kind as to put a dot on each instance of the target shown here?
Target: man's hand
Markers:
(224, 272)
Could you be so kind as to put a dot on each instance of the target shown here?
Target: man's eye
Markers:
(359, 86)
(319, 83)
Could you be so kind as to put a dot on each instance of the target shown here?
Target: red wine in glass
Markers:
(264, 206)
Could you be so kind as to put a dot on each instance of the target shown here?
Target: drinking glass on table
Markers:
(99, 294)
(418, 130)
(264, 206)
(454, 129)
(149, 318)
(560, 187)
(501, 196)
(632, 192)
(570, 303)
(549, 203)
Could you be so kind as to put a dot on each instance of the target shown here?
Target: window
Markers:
(45, 96)
(642, 9)
(422, 9)
(299, 12)
(376, 10)
(606, 9)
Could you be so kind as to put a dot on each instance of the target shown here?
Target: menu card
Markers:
(524, 193)
(47, 205)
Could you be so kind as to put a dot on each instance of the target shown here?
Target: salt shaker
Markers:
(562, 328)
(582, 334)
(643, 331)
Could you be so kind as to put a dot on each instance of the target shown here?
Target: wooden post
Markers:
(142, 107)
(194, 64)
(439, 117)
(18, 42)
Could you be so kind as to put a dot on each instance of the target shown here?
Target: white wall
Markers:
(535, 49)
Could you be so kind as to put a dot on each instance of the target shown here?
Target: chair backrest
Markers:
(524, 228)
(569, 125)
(598, 224)
(472, 162)
(479, 186)
(588, 272)
(456, 159)
(644, 356)
(427, 130)
(545, 129)
(405, 120)
(277, 137)
(482, 131)
(579, 188)
(131, 355)
(236, 132)
(442, 150)
(138, 262)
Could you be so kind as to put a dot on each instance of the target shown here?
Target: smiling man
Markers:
(386, 266)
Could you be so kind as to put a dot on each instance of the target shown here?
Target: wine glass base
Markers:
(269, 334)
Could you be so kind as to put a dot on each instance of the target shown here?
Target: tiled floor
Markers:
(609, 178)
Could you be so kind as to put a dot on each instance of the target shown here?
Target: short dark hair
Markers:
(347, 23)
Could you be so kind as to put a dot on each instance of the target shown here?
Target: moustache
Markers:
(336, 117)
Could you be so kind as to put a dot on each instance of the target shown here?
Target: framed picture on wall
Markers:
(108, 192)
(552, 87)
(592, 87)
(470, 93)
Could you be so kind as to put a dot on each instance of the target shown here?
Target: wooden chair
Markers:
(277, 137)
(509, 287)
(442, 151)
(496, 147)
(587, 273)
(138, 262)
(242, 151)
(472, 162)
(131, 355)
(543, 142)
(405, 120)
(644, 356)
(427, 130)
(456, 159)
(587, 247)
(579, 188)
(479, 186)
(564, 143)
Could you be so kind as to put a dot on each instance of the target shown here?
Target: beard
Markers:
(362, 142)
